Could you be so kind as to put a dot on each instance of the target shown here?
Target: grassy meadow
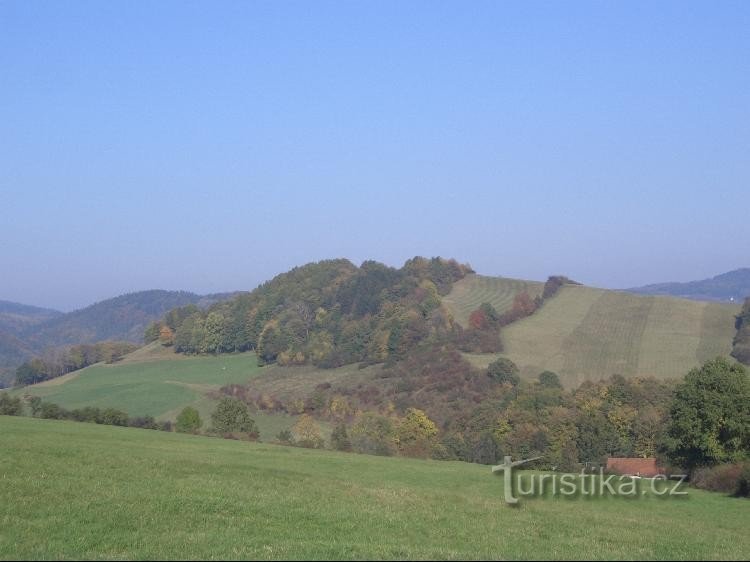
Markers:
(583, 333)
(157, 382)
(76, 490)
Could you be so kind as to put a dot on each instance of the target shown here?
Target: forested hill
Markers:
(328, 313)
(733, 285)
(333, 313)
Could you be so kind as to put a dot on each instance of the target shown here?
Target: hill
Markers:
(585, 333)
(120, 318)
(82, 491)
(732, 286)
(15, 317)
(123, 318)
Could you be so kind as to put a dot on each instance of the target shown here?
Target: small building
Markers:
(630, 466)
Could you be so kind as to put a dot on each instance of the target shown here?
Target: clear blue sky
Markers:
(208, 146)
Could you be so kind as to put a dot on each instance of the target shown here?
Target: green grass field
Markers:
(584, 333)
(157, 382)
(75, 490)
(473, 290)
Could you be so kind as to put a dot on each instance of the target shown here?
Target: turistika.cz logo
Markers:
(597, 484)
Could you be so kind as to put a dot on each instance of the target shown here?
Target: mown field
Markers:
(584, 333)
(75, 490)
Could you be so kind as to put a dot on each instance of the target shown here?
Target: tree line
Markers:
(741, 343)
(57, 362)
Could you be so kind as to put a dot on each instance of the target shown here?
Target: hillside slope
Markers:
(585, 333)
(473, 290)
(730, 286)
(84, 491)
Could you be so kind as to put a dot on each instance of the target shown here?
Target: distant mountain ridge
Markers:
(28, 330)
(731, 286)
(15, 317)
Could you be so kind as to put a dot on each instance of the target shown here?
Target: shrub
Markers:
(110, 416)
(51, 411)
(285, 437)
(88, 414)
(189, 421)
(743, 483)
(307, 433)
(549, 379)
(145, 422)
(340, 438)
(373, 434)
(731, 478)
(504, 371)
(10, 406)
(231, 415)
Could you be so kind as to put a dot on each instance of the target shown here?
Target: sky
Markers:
(208, 146)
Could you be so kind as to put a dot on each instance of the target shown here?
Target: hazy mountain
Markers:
(27, 330)
(15, 317)
(734, 285)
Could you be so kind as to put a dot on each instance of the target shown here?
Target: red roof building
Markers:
(633, 466)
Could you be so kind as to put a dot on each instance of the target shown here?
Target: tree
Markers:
(152, 332)
(340, 438)
(189, 421)
(416, 434)
(10, 406)
(548, 379)
(504, 371)
(166, 336)
(373, 434)
(741, 344)
(231, 415)
(307, 433)
(710, 416)
(35, 403)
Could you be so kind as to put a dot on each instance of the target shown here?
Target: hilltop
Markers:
(731, 286)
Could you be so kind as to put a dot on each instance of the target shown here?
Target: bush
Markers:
(743, 483)
(504, 371)
(10, 406)
(231, 415)
(285, 437)
(340, 439)
(189, 421)
(88, 414)
(548, 379)
(51, 411)
(725, 478)
(110, 416)
(145, 422)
